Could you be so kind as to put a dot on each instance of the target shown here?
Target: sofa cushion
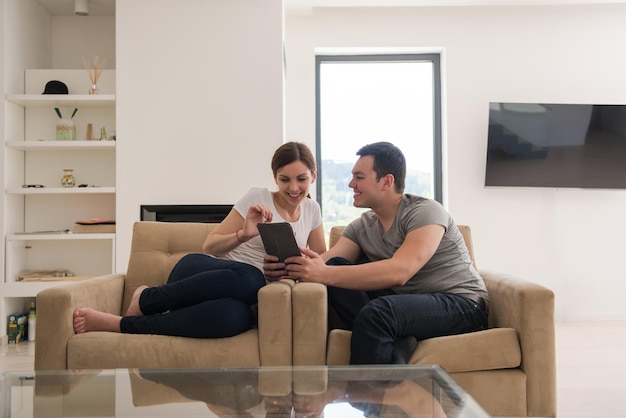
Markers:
(496, 348)
(338, 349)
(111, 350)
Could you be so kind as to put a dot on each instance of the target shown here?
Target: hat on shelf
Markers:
(55, 87)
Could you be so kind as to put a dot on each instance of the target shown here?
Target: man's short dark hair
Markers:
(388, 159)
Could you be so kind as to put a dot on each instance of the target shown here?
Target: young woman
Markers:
(209, 295)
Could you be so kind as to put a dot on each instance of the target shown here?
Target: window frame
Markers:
(435, 60)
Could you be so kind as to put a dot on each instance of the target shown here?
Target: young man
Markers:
(417, 280)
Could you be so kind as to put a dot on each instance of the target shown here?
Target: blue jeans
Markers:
(204, 297)
(382, 320)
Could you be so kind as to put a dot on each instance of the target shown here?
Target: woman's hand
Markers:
(256, 214)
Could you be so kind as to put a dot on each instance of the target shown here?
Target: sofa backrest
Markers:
(156, 247)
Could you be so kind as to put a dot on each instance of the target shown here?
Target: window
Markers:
(369, 98)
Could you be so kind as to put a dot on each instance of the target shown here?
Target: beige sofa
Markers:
(155, 248)
(508, 369)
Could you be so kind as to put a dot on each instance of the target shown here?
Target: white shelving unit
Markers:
(59, 145)
(61, 190)
(33, 216)
(58, 100)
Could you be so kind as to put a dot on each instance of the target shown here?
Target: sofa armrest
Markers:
(529, 309)
(275, 324)
(310, 324)
(55, 307)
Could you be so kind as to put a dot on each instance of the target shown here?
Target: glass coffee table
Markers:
(270, 392)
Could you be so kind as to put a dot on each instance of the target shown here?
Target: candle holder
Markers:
(66, 130)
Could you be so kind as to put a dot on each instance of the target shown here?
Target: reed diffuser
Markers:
(94, 70)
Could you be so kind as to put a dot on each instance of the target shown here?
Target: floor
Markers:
(591, 367)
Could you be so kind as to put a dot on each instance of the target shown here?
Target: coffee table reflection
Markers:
(329, 392)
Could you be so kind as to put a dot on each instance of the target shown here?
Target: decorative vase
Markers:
(66, 130)
(94, 89)
(68, 179)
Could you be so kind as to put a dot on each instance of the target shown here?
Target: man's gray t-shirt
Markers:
(449, 270)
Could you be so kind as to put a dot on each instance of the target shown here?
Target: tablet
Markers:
(279, 240)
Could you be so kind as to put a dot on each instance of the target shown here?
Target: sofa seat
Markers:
(485, 363)
(113, 351)
(492, 349)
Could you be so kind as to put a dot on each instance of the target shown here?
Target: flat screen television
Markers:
(556, 145)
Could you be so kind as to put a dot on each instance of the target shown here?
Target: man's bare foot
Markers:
(87, 319)
(133, 307)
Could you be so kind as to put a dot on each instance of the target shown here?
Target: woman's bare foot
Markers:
(133, 307)
(87, 319)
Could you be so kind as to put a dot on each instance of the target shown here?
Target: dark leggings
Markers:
(204, 297)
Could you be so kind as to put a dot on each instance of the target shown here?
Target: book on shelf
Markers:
(57, 275)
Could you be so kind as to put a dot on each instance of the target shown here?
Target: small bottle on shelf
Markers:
(32, 322)
(68, 179)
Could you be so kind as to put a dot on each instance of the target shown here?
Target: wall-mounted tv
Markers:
(556, 145)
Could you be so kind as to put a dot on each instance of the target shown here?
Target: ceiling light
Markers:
(81, 8)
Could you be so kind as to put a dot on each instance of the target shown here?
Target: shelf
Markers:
(60, 236)
(42, 100)
(60, 145)
(60, 190)
(28, 289)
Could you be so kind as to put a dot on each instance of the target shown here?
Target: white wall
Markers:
(27, 46)
(25, 43)
(75, 37)
(571, 241)
(199, 103)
